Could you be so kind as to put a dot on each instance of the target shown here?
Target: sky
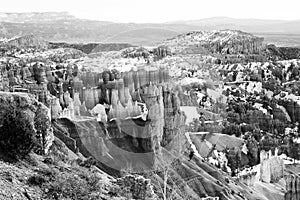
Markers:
(144, 11)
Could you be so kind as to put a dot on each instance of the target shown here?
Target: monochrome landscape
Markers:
(180, 109)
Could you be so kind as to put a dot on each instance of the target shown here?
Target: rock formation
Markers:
(271, 169)
(292, 187)
(224, 42)
(248, 179)
(174, 120)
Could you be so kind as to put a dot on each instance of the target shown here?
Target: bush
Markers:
(232, 129)
(83, 186)
(36, 180)
(233, 117)
(17, 133)
(247, 128)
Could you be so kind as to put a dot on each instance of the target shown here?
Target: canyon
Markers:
(117, 110)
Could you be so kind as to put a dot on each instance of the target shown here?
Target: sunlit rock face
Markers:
(151, 95)
(174, 120)
(24, 125)
(272, 168)
(292, 187)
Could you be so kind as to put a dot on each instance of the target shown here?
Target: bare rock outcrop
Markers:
(224, 42)
(248, 179)
(292, 187)
(174, 120)
(271, 168)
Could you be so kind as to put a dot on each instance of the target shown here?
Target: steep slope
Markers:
(57, 172)
(282, 53)
(198, 178)
(24, 125)
(112, 155)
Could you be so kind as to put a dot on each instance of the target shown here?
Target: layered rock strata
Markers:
(292, 187)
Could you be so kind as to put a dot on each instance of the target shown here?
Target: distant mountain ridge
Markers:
(248, 25)
(27, 41)
(224, 41)
(35, 17)
(64, 27)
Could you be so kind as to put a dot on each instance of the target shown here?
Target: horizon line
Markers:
(163, 22)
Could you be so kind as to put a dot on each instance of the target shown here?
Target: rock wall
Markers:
(292, 187)
(251, 46)
(24, 124)
(224, 42)
(248, 179)
(174, 127)
(152, 96)
(271, 167)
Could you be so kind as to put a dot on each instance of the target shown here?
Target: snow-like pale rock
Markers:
(188, 80)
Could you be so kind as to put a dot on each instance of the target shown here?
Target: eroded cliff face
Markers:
(248, 179)
(224, 42)
(121, 119)
(24, 125)
(174, 128)
(152, 96)
(271, 168)
(138, 113)
(292, 187)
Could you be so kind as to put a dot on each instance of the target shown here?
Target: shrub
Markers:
(36, 180)
(17, 133)
(232, 129)
(83, 186)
